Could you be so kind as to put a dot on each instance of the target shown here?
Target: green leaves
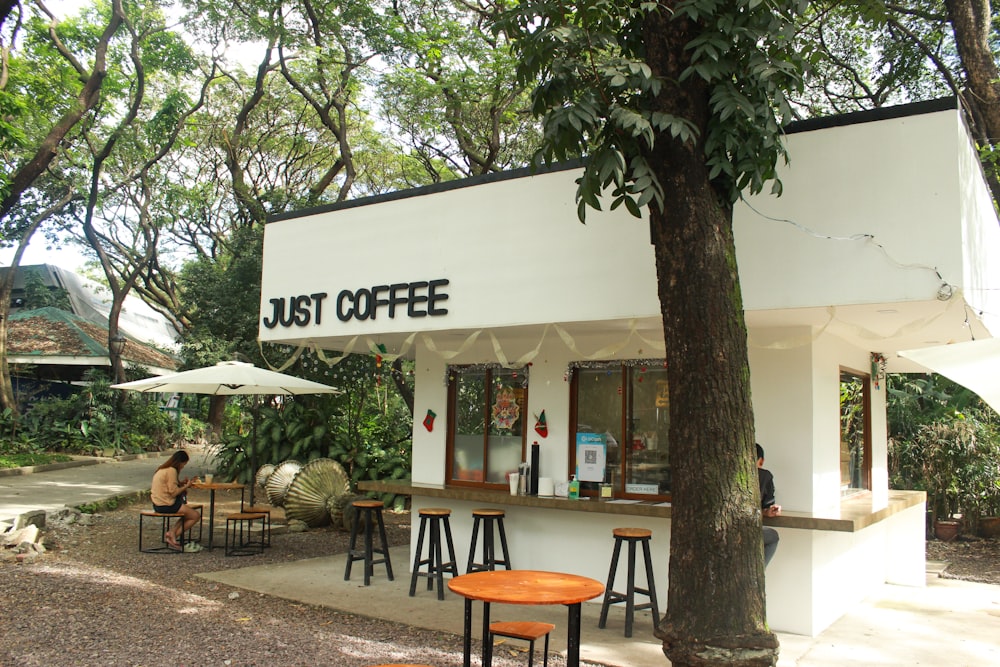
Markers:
(602, 92)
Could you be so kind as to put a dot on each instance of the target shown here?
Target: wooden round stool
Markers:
(437, 517)
(633, 536)
(369, 511)
(488, 517)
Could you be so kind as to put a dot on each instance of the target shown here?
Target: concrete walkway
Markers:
(947, 623)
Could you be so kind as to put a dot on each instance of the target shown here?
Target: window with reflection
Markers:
(855, 432)
(619, 419)
(486, 434)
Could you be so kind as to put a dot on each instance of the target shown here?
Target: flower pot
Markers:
(947, 530)
(989, 526)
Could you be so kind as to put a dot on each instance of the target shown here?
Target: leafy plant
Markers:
(945, 441)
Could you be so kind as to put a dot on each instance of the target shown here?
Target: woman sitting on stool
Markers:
(169, 495)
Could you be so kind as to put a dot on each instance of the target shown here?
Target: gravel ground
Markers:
(93, 599)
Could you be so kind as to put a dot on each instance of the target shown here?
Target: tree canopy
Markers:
(134, 127)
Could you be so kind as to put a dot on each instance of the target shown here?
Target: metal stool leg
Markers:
(472, 549)
(651, 584)
(416, 559)
(630, 590)
(609, 589)
(351, 547)
(385, 544)
(503, 545)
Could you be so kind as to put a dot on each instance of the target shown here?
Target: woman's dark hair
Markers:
(760, 452)
(178, 457)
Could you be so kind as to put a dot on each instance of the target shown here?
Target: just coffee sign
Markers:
(417, 299)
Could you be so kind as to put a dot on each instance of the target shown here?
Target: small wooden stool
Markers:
(489, 517)
(632, 536)
(265, 535)
(165, 518)
(529, 631)
(369, 511)
(436, 567)
(239, 534)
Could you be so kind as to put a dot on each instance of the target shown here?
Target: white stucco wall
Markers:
(848, 217)
(871, 212)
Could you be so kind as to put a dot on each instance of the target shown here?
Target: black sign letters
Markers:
(420, 299)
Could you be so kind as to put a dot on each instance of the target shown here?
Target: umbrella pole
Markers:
(253, 453)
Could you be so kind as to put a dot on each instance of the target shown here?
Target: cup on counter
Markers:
(546, 487)
(208, 477)
(513, 479)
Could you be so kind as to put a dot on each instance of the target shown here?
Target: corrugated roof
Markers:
(53, 332)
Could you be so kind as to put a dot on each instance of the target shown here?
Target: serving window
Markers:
(486, 434)
(619, 417)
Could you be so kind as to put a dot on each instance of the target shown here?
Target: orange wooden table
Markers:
(212, 488)
(531, 587)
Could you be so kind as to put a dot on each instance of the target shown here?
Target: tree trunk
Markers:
(399, 379)
(715, 601)
(216, 411)
(971, 24)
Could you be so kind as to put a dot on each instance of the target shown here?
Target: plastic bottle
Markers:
(574, 488)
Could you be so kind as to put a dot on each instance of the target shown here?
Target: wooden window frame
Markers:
(866, 446)
(453, 376)
(625, 451)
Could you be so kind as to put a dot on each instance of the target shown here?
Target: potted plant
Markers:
(944, 449)
(989, 521)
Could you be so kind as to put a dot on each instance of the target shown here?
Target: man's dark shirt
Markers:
(766, 480)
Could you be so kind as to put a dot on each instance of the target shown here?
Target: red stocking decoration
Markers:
(541, 426)
(429, 420)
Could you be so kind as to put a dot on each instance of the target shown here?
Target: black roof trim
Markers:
(445, 186)
(871, 115)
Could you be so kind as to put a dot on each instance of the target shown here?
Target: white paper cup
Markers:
(512, 478)
(546, 487)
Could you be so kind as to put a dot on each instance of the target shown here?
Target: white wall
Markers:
(515, 254)
(893, 180)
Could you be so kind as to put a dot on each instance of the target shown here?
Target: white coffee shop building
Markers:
(527, 326)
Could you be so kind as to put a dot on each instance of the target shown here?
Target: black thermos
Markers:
(533, 488)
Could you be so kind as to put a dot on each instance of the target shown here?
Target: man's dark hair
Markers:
(760, 452)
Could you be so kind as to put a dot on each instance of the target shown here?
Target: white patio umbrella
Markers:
(231, 378)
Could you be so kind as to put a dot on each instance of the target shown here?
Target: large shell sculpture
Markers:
(319, 481)
(262, 474)
(279, 480)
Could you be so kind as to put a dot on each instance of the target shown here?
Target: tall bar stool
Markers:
(488, 517)
(436, 567)
(632, 536)
(369, 511)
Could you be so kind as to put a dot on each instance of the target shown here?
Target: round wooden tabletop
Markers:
(526, 587)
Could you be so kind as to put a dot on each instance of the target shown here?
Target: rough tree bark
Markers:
(971, 22)
(716, 558)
